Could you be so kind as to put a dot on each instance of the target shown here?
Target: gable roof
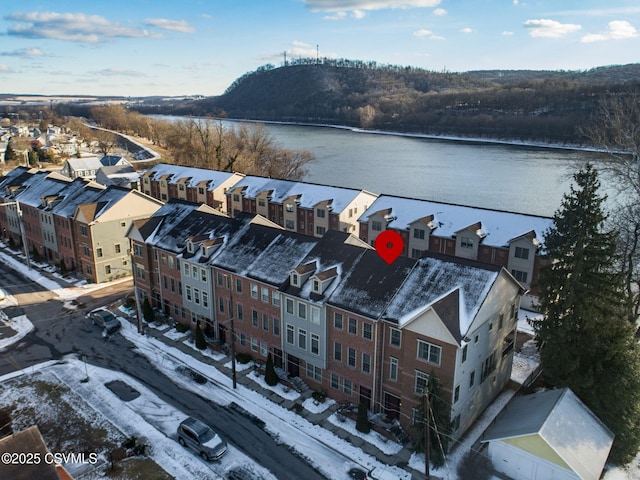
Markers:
(190, 175)
(500, 227)
(28, 441)
(564, 422)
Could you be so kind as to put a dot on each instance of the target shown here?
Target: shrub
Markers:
(362, 420)
(270, 375)
(182, 328)
(243, 358)
(201, 343)
(147, 311)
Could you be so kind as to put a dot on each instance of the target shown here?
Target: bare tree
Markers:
(616, 129)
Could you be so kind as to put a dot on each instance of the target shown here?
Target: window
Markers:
(261, 202)
(290, 334)
(221, 304)
(203, 275)
(264, 294)
(422, 380)
(107, 269)
(337, 351)
(429, 352)
(254, 290)
(236, 197)
(276, 326)
(83, 230)
(395, 337)
(275, 298)
(238, 285)
(294, 279)
(320, 230)
(456, 394)
(367, 331)
(163, 258)
(173, 284)
(288, 207)
(302, 339)
(254, 345)
(376, 226)
(418, 233)
(85, 249)
(472, 379)
(264, 351)
(243, 339)
(316, 286)
(352, 326)
(315, 344)
(205, 299)
(289, 306)
(416, 253)
(116, 248)
(337, 321)
(196, 295)
(302, 310)
(254, 318)
(500, 321)
(188, 292)
(522, 253)
(393, 368)
(464, 354)
(265, 322)
(488, 366)
(314, 372)
(320, 212)
(181, 187)
(347, 387)
(366, 363)
(315, 315)
(289, 224)
(351, 357)
(335, 381)
(186, 269)
(200, 191)
(219, 278)
(240, 311)
(520, 275)
(194, 271)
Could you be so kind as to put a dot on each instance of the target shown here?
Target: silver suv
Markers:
(104, 319)
(199, 437)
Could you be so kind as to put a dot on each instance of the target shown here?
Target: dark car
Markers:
(105, 319)
(199, 437)
(357, 474)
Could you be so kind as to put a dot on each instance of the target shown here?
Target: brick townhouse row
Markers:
(331, 311)
(506, 239)
(76, 222)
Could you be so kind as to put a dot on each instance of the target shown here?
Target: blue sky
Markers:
(147, 47)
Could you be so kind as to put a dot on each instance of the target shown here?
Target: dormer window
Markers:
(294, 279)
(181, 187)
(316, 286)
(289, 207)
(466, 242)
(262, 202)
(320, 212)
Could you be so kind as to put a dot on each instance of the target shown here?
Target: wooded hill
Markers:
(537, 106)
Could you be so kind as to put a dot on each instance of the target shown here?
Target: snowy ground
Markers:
(329, 453)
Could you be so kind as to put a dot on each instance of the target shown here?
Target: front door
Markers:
(222, 333)
(391, 406)
(293, 366)
(277, 357)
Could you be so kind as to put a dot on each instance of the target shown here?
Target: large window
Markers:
(466, 242)
(520, 275)
(302, 339)
(367, 330)
(351, 357)
(395, 337)
(254, 290)
(429, 352)
(188, 292)
(302, 310)
(366, 363)
(337, 352)
(315, 344)
(353, 325)
(320, 212)
(418, 233)
(315, 315)
(393, 368)
(290, 334)
(289, 306)
(337, 321)
(522, 253)
(264, 294)
(376, 226)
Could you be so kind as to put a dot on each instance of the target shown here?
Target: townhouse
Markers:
(510, 240)
(198, 185)
(331, 312)
(79, 223)
(305, 208)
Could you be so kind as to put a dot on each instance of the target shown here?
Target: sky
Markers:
(147, 47)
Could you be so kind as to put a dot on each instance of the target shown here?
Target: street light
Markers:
(233, 332)
(22, 232)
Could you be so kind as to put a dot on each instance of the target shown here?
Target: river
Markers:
(498, 176)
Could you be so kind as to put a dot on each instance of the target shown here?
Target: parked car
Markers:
(356, 473)
(199, 437)
(104, 319)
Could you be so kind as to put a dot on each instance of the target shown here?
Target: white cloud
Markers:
(173, 25)
(4, 68)
(466, 30)
(359, 8)
(424, 33)
(616, 30)
(206, 15)
(24, 53)
(73, 27)
(507, 33)
(119, 72)
(439, 12)
(550, 28)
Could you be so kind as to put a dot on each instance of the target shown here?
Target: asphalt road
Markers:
(59, 332)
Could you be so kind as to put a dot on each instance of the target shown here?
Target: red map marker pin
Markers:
(389, 245)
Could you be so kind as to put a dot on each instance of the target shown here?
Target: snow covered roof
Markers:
(499, 227)
(308, 195)
(195, 175)
(85, 163)
(435, 277)
(564, 422)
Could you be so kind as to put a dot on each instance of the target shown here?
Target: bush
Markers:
(319, 397)
(147, 312)
(270, 375)
(201, 343)
(243, 358)
(182, 328)
(362, 420)
(63, 268)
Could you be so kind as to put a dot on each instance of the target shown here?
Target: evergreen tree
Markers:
(585, 340)
(63, 268)
(439, 423)
(270, 375)
(362, 420)
(9, 153)
(147, 312)
(201, 343)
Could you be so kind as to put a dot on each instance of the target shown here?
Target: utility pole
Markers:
(427, 435)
